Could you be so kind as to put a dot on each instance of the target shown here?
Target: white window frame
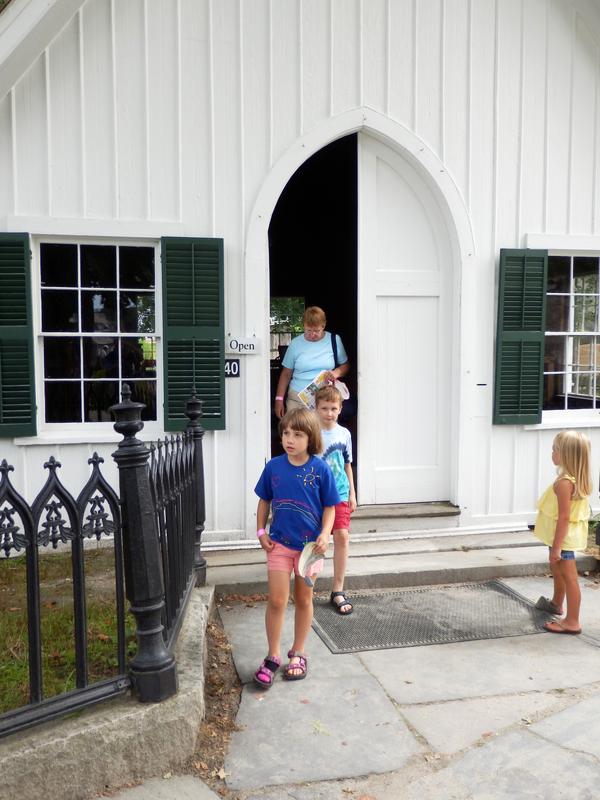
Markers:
(90, 431)
(571, 246)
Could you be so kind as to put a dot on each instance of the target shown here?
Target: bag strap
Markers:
(336, 363)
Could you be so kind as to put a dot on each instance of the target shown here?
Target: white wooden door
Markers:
(404, 339)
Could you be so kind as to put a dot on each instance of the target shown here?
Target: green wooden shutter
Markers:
(17, 379)
(520, 337)
(193, 329)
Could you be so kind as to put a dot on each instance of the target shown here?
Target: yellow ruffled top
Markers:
(545, 524)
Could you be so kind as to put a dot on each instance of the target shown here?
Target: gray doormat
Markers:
(427, 615)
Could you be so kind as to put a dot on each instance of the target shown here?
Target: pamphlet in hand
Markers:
(307, 395)
(307, 560)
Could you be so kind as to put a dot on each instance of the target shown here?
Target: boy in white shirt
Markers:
(337, 452)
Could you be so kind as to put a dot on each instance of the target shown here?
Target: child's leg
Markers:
(568, 569)
(303, 599)
(341, 547)
(279, 592)
(340, 558)
(560, 589)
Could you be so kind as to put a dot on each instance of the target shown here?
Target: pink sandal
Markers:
(301, 665)
(265, 674)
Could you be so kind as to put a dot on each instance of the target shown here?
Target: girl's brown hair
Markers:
(301, 419)
(314, 316)
(574, 454)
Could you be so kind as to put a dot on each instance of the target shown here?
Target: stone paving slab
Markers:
(184, 787)
(513, 767)
(532, 588)
(541, 662)
(453, 726)
(577, 727)
(246, 633)
(315, 730)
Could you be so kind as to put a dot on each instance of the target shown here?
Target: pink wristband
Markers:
(260, 532)
(279, 397)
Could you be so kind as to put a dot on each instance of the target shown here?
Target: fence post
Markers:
(153, 669)
(193, 412)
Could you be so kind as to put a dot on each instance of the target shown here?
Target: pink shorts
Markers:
(284, 559)
(342, 516)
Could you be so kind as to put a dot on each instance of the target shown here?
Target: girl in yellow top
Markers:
(562, 523)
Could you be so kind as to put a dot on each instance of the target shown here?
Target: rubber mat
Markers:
(427, 615)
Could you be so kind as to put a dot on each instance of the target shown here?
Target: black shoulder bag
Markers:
(349, 406)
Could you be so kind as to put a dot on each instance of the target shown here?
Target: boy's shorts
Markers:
(342, 516)
(284, 559)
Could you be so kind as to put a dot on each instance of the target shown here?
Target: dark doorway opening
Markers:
(313, 250)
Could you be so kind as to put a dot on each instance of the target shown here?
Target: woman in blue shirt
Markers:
(308, 354)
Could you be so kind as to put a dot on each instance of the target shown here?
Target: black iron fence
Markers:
(56, 520)
(155, 530)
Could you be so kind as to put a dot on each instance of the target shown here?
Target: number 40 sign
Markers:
(232, 368)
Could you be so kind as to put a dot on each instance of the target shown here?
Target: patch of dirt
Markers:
(222, 692)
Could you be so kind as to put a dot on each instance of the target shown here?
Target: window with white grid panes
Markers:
(572, 342)
(98, 326)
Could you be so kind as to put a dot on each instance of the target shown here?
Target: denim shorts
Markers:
(566, 555)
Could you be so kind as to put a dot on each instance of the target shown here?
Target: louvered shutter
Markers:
(17, 380)
(193, 329)
(520, 337)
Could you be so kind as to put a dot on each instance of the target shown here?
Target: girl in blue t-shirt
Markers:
(300, 489)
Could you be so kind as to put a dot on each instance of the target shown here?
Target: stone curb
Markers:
(246, 580)
(117, 743)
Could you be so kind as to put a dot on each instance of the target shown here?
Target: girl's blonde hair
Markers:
(301, 419)
(574, 453)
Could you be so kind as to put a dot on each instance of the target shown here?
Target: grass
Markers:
(57, 627)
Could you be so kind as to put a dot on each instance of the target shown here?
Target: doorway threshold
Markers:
(402, 516)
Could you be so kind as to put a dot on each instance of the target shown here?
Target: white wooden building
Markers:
(128, 127)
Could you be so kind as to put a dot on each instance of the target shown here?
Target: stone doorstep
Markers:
(118, 742)
(407, 510)
(380, 519)
(402, 562)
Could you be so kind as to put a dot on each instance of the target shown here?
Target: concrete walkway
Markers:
(501, 718)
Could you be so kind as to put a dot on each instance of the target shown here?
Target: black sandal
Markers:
(338, 606)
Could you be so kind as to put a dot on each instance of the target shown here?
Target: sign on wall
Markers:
(242, 345)
(232, 368)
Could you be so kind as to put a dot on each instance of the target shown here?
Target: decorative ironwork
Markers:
(55, 501)
(160, 516)
(102, 501)
(172, 481)
(56, 518)
(12, 536)
(153, 669)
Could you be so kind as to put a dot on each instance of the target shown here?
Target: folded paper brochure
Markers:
(308, 558)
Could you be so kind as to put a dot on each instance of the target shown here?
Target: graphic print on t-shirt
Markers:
(297, 495)
(338, 453)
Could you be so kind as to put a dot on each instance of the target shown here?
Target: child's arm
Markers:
(322, 541)
(352, 495)
(563, 490)
(262, 515)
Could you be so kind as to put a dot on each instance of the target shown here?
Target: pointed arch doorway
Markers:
(313, 249)
(359, 231)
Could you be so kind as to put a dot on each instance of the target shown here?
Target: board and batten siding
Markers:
(164, 117)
